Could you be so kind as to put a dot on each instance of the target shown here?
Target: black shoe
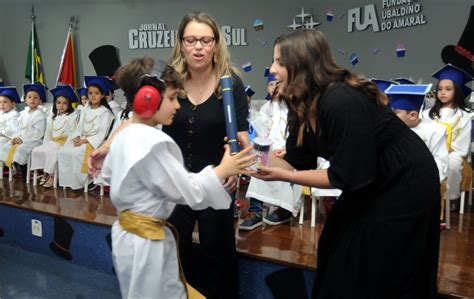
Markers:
(91, 186)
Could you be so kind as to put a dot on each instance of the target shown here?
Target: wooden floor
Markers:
(293, 244)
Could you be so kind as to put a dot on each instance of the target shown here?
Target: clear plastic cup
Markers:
(261, 147)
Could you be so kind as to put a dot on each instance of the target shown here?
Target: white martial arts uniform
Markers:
(94, 125)
(31, 131)
(282, 194)
(145, 170)
(45, 156)
(460, 122)
(8, 125)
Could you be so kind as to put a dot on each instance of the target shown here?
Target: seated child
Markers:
(145, 170)
(450, 110)
(8, 114)
(60, 123)
(90, 132)
(406, 102)
(32, 123)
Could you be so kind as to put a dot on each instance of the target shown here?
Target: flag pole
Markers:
(33, 62)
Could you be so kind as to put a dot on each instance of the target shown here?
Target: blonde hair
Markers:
(221, 65)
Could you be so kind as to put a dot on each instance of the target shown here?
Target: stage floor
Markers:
(289, 244)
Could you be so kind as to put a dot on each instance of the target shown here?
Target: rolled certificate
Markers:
(229, 113)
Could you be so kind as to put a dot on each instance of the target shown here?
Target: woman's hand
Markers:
(273, 173)
(279, 153)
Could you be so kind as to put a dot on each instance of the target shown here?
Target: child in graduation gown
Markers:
(90, 133)
(32, 123)
(60, 123)
(144, 168)
(450, 110)
(8, 114)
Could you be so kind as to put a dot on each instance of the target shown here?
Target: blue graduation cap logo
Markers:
(407, 96)
(258, 24)
(354, 58)
(329, 15)
(456, 75)
(401, 50)
(249, 91)
(247, 67)
(266, 72)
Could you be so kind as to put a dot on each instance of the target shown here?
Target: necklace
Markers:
(61, 126)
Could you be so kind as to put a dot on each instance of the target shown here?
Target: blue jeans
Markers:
(255, 205)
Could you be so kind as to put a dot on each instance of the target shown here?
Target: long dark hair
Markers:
(311, 71)
(458, 101)
(69, 110)
(103, 100)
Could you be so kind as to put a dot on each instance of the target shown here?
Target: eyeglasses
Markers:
(206, 41)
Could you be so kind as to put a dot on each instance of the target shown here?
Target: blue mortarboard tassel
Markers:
(354, 58)
(329, 15)
(407, 96)
(249, 91)
(258, 24)
(401, 50)
(247, 67)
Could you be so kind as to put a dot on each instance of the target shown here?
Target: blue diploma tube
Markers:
(229, 113)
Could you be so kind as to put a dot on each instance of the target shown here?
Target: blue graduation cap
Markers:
(82, 91)
(270, 78)
(456, 75)
(39, 88)
(383, 84)
(407, 96)
(11, 93)
(249, 91)
(65, 91)
(404, 81)
(101, 81)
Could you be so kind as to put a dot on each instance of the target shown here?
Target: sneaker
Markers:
(91, 186)
(279, 216)
(252, 221)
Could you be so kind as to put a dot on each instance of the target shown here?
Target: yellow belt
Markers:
(153, 229)
(61, 139)
(87, 153)
(10, 155)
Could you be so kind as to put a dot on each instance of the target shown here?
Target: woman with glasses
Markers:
(201, 57)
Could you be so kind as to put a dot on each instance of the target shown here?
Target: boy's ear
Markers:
(414, 114)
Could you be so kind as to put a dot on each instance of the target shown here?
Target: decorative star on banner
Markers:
(295, 25)
(374, 51)
(341, 51)
(308, 21)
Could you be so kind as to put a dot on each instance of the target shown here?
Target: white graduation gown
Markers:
(116, 108)
(93, 125)
(8, 125)
(31, 131)
(277, 193)
(145, 170)
(45, 156)
(460, 145)
(434, 136)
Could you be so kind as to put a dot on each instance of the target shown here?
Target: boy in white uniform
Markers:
(144, 168)
(8, 114)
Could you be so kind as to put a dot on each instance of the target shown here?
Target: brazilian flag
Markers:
(34, 66)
